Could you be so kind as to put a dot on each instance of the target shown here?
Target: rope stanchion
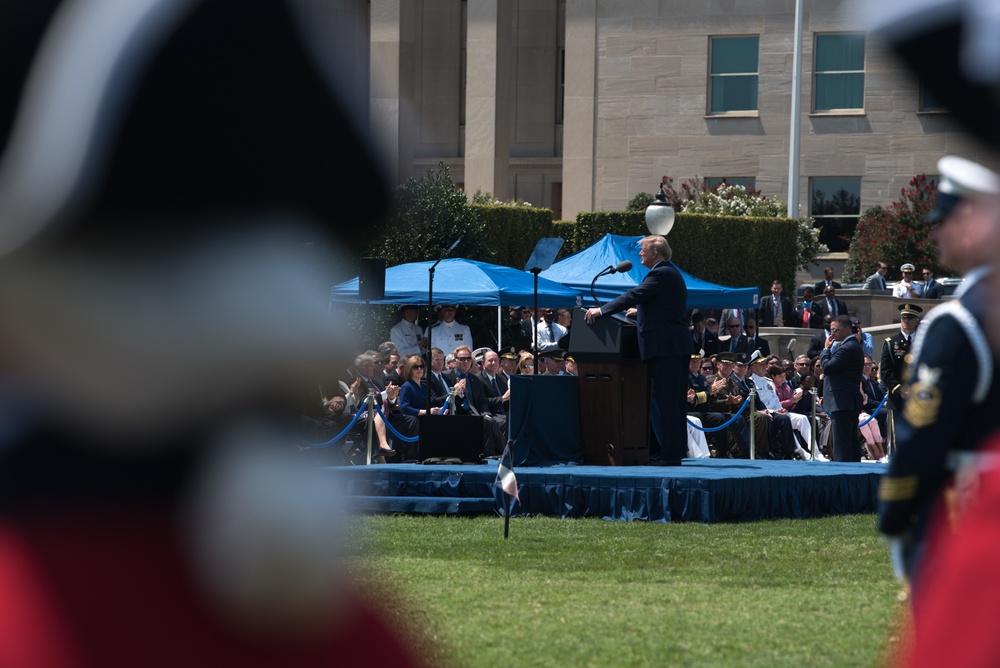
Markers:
(872, 416)
(753, 430)
(405, 439)
(361, 409)
(813, 426)
(721, 426)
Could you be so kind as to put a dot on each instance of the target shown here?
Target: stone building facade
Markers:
(578, 105)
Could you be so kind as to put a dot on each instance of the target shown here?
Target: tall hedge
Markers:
(734, 251)
(513, 231)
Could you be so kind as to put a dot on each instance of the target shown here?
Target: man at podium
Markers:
(664, 344)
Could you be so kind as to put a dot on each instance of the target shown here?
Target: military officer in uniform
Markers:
(950, 385)
(894, 354)
(447, 333)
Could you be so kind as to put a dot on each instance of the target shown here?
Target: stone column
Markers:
(488, 97)
(393, 72)
(580, 113)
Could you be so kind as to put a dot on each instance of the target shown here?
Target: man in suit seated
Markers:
(754, 341)
(470, 393)
(734, 340)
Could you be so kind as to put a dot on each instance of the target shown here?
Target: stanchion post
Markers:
(753, 417)
(891, 424)
(812, 422)
(370, 401)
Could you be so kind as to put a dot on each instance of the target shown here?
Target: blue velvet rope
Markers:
(722, 426)
(872, 416)
(405, 439)
(339, 436)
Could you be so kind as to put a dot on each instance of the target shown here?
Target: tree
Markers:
(428, 215)
(896, 234)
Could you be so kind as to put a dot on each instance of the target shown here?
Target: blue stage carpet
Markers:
(702, 490)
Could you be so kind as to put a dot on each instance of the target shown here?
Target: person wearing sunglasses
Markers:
(412, 401)
(906, 288)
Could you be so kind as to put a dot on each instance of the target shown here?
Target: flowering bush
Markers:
(896, 234)
(734, 200)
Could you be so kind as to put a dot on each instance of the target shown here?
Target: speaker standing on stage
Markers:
(664, 344)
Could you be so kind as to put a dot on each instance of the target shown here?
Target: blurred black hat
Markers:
(137, 121)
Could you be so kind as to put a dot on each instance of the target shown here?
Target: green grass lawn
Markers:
(596, 593)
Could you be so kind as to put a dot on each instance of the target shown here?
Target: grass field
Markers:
(596, 593)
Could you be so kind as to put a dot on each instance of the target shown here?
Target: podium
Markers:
(614, 391)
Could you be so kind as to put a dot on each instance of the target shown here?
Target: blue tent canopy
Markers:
(464, 282)
(578, 270)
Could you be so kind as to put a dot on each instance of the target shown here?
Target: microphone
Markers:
(623, 266)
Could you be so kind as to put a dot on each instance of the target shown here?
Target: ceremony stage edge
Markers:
(701, 490)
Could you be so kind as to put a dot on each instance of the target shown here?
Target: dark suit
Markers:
(741, 345)
(842, 396)
(709, 341)
(933, 289)
(817, 342)
(758, 343)
(816, 314)
(766, 313)
(475, 402)
(841, 307)
(665, 346)
(820, 287)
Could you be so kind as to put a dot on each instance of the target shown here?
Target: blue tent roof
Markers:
(578, 270)
(460, 281)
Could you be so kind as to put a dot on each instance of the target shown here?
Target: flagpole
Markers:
(506, 518)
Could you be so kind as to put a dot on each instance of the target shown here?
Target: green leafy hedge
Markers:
(736, 251)
(513, 231)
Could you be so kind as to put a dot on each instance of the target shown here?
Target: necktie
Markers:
(495, 386)
(777, 314)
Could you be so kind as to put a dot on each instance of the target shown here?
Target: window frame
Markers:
(711, 77)
(820, 218)
(816, 73)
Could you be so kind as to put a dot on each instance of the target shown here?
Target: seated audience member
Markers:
(525, 365)
(702, 338)
(769, 397)
(508, 361)
(705, 367)
(470, 399)
(874, 392)
(787, 395)
(712, 325)
(435, 376)
(386, 397)
(701, 404)
(809, 313)
(754, 341)
(805, 407)
(818, 376)
(412, 402)
(553, 362)
(801, 367)
(571, 368)
(495, 385)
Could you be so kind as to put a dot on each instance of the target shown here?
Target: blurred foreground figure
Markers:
(952, 48)
(174, 178)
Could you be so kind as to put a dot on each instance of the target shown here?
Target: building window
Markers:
(930, 102)
(733, 74)
(836, 207)
(839, 72)
(748, 182)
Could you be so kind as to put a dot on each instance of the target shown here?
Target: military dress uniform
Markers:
(892, 366)
(950, 410)
(448, 336)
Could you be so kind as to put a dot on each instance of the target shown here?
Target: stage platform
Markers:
(701, 490)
